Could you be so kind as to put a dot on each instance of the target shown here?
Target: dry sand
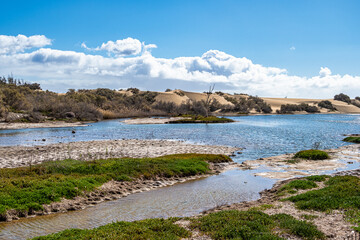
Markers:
(341, 107)
(16, 156)
(279, 168)
(56, 124)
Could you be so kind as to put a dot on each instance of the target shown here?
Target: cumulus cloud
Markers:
(19, 43)
(124, 47)
(292, 48)
(55, 69)
(324, 72)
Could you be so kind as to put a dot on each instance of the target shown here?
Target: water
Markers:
(261, 136)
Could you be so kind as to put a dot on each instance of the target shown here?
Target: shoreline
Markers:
(143, 120)
(279, 168)
(111, 191)
(55, 124)
(20, 156)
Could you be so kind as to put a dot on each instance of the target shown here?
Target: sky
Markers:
(278, 48)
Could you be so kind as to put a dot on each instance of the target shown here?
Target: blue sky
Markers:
(299, 36)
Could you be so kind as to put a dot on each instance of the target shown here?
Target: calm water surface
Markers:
(260, 136)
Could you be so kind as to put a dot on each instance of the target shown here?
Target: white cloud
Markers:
(19, 43)
(57, 69)
(324, 72)
(292, 48)
(124, 47)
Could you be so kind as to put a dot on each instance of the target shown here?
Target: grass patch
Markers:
(309, 217)
(145, 229)
(202, 119)
(28, 188)
(312, 154)
(341, 192)
(352, 139)
(235, 224)
(293, 186)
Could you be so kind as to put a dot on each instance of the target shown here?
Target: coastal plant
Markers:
(352, 139)
(312, 154)
(156, 229)
(234, 224)
(25, 189)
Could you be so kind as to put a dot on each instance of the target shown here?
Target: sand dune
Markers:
(342, 107)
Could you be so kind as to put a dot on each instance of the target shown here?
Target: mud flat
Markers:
(17, 156)
(282, 166)
(55, 124)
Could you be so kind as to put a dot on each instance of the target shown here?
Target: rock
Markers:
(11, 117)
(73, 131)
(43, 139)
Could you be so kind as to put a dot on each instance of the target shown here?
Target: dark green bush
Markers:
(352, 139)
(342, 97)
(312, 154)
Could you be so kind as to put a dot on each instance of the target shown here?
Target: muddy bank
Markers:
(111, 191)
(55, 124)
(281, 167)
(17, 156)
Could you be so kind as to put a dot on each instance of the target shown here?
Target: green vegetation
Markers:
(327, 104)
(352, 139)
(146, 229)
(244, 104)
(27, 188)
(293, 186)
(341, 192)
(312, 154)
(201, 119)
(235, 224)
(291, 108)
(342, 97)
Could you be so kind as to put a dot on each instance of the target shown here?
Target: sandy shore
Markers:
(55, 124)
(279, 168)
(152, 120)
(17, 156)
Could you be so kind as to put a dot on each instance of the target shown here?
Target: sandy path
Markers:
(16, 156)
(57, 124)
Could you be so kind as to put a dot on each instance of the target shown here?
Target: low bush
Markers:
(342, 97)
(327, 104)
(312, 154)
(233, 224)
(352, 139)
(290, 108)
(157, 229)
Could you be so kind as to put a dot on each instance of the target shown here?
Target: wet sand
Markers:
(279, 168)
(55, 124)
(17, 156)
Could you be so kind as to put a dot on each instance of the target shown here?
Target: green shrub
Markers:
(233, 224)
(312, 154)
(352, 139)
(157, 229)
